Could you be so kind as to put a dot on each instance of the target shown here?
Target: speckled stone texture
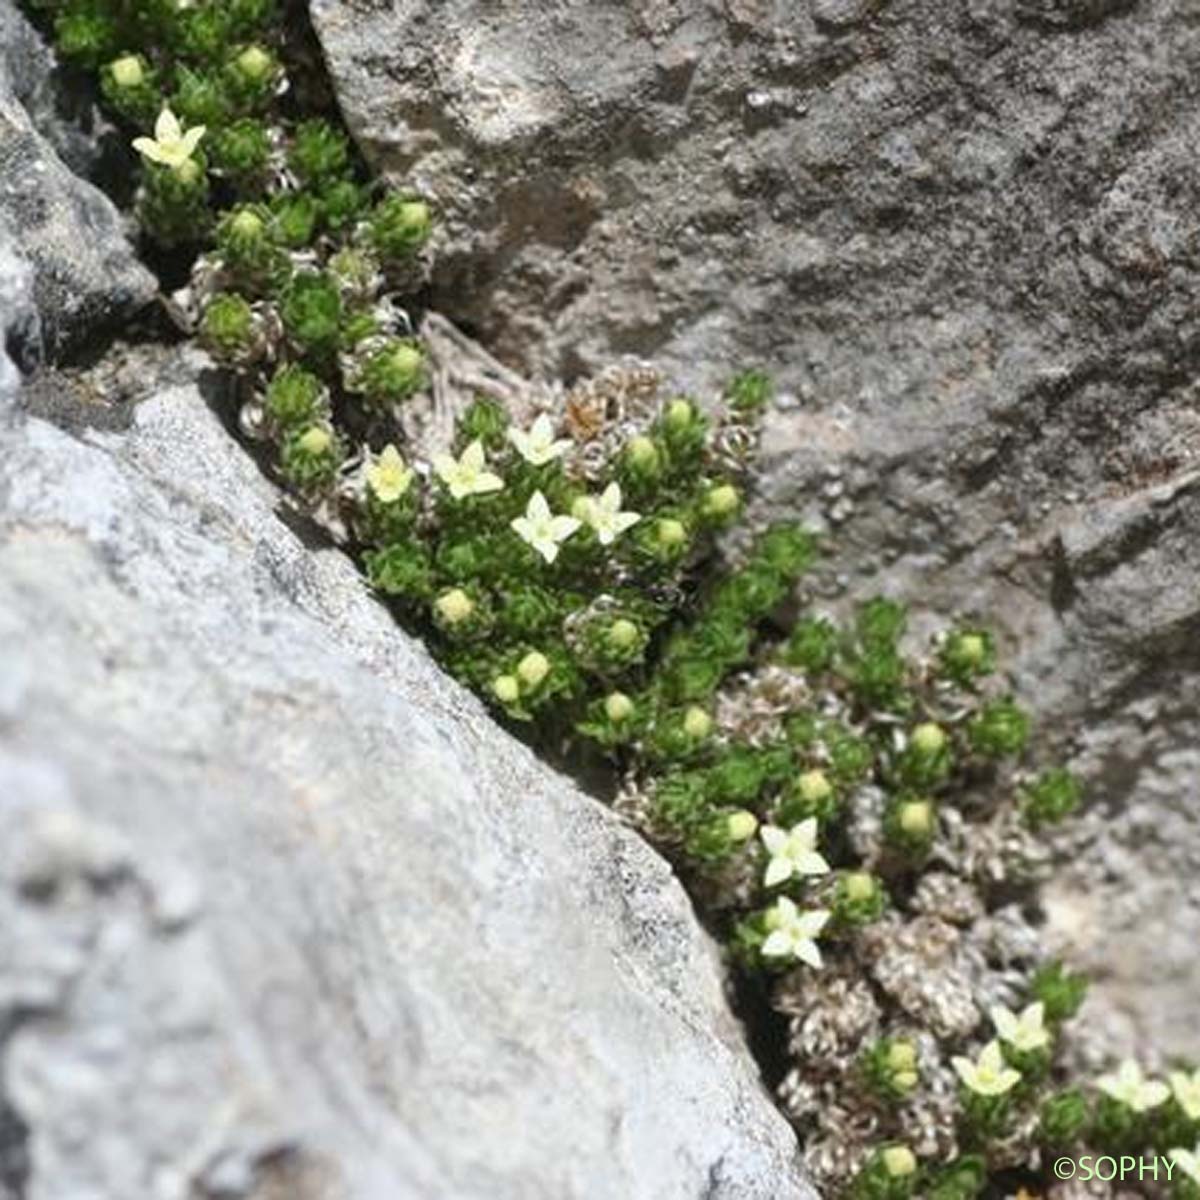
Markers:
(966, 238)
(283, 913)
(86, 276)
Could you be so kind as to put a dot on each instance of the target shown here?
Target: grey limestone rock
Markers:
(86, 276)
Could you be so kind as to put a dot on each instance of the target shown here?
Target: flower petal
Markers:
(808, 952)
(166, 128)
(148, 148)
(805, 834)
(563, 527)
(773, 838)
(1004, 1021)
(812, 922)
(809, 862)
(487, 482)
(191, 140)
(777, 945)
(778, 870)
(966, 1070)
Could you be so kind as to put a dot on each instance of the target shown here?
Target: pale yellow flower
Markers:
(1186, 1090)
(603, 513)
(541, 529)
(170, 146)
(793, 853)
(1128, 1086)
(988, 1075)
(538, 446)
(468, 474)
(1188, 1161)
(1025, 1032)
(388, 477)
(793, 933)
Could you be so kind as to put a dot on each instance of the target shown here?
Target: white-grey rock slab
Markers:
(282, 912)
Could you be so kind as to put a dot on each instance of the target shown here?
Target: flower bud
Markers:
(316, 441)
(899, 1161)
(454, 606)
(905, 1081)
(618, 707)
(928, 739)
(533, 668)
(189, 171)
(414, 216)
(506, 689)
(127, 71)
(399, 227)
(743, 825)
(697, 723)
(859, 887)
(671, 533)
(722, 501)
(902, 1055)
(247, 225)
(814, 787)
(680, 414)
(916, 818)
(623, 634)
(255, 63)
(642, 453)
(972, 648)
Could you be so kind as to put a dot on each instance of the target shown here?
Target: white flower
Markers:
(1024, 1033)
(988, 1075)
(1186, 1090)
(170, 145)
(388, 477)
(603, 513)
(467, 476)
(793, 853)
(1128, 1086)
(1188, 1161)
(793, 933)
(541, 529)
(538, 446)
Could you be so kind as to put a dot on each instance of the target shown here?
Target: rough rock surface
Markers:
(85, 274)
(282, 911)
(966, 237)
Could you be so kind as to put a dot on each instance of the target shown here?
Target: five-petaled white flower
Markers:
(1128, 1086)
(170, 145)
(468, 474)
(1186, 1090)
(1188, 1161)
(793, 933)
(538, 446)
(793, 853)
(988, 1075)
(541, 529)
(603, 513)
(1025, 1032)
(388, 477)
